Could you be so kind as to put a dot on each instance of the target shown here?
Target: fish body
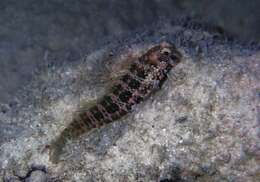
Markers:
(145, 75)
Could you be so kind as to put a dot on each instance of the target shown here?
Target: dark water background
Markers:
(37, 35)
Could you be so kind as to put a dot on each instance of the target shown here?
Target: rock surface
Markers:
(203, 125)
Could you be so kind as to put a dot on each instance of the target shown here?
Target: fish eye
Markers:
(166, 51)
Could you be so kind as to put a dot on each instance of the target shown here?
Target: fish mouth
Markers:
(176, 56)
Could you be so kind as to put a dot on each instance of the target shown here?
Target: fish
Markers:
(146, 75)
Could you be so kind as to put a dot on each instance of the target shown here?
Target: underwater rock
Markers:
(202, 125)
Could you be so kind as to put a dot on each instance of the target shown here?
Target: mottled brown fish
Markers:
(145, 75)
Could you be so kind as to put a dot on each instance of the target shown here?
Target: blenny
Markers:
(145, 76)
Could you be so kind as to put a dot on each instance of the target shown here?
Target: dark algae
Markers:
(145, 75)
